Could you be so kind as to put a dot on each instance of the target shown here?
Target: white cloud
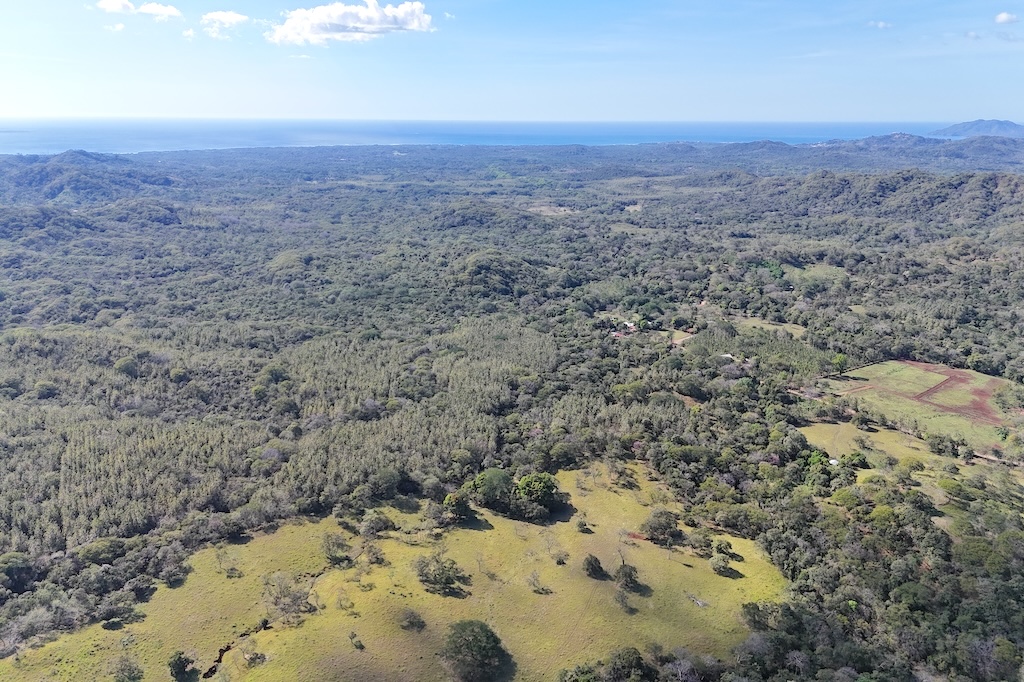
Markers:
(1006, 18)
(155, 9)
(158, 11)
(972, 35)
(115, 28)
(339, 21)
(188, 34)
(115, 6)
(879, 24)
(215, 23)
(449, 15)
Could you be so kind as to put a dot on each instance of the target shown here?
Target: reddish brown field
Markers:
(980, 408)
(955, 392)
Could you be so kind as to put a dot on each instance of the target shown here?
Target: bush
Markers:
(627, 577)
(473, 652)
(45, 389)
(375, 523)
(662, 528)
(492, 488)
(439, 574)
(180, 666)
(128, 367)
(126, 669)
(627, 664)
(411, 620)
(335, 548)
(541, 489)
(719, 564)
(593, 568)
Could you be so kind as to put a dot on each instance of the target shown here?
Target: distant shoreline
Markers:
(126, 136)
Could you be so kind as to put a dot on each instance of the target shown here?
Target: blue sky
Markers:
(550, 60)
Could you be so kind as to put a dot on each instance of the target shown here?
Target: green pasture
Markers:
(896, 376)
(577, 619)
(890, 387)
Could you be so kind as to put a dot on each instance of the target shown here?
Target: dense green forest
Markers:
(194, 345)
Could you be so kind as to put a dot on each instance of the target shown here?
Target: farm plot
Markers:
(938, 399)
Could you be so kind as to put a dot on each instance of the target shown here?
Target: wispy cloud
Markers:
(115, 28)
(879, 24)
(972, 35)
(188, 34)
(154, 9)
(339, 21)
(1006, 18)
(216, 23)
(116, 6)
(159, 12)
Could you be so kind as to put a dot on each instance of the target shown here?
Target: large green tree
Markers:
(473, 652)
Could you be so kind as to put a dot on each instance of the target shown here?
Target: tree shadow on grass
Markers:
(562, 513)
(406, 504)
(476, 522)
(506, 670)
(642, 590)
(731, 573)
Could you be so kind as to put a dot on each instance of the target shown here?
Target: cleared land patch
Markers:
(940, 399)
(757, 323)
(548, 615)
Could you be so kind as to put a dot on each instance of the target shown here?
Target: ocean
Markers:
(131, 136)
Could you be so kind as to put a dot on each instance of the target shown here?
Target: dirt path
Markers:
(979, 409)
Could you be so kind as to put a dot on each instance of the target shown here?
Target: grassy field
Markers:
(840, 439)
(940, 400)
(757, 323)
(684, 603)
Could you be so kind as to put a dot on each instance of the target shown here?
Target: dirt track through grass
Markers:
(944, 400)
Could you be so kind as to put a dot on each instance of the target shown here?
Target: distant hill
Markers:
(982, 127)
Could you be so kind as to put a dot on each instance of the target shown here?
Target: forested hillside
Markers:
(195, 345)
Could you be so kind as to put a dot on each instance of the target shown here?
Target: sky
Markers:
(514, 60)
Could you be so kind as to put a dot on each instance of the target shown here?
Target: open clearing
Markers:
(942, 400)
(757, 323)
(843, 438)
(684, 602)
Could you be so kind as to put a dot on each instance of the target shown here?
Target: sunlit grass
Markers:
(577, 620)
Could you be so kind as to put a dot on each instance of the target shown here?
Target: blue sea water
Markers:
(130, 136)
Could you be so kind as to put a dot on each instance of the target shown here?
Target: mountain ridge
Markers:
(987, 127)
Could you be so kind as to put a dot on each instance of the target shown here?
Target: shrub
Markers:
(472, 651)
(335, 548)
(128, 367)
(180, 666)
(411, 620)
(375, 523)
(628, 664)
(662, 528)
(45, 389)
(126, 669)
(593, 568)
(439, 574)
(627, 577)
